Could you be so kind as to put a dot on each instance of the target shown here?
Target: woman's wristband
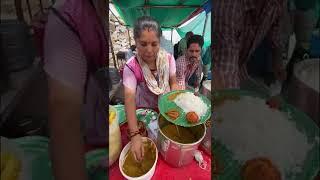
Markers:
(134, 134)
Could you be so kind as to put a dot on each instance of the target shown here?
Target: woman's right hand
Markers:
(137, 148)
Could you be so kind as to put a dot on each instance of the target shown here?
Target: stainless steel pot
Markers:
(205, 88)
(206, 143)
(301, 95)
(174, 153)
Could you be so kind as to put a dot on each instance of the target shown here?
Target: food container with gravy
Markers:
(177, 144)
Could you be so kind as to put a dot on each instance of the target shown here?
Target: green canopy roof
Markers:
(198, 26)
(169, 13)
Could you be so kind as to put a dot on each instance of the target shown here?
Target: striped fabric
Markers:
(185, 70)
(239, 27)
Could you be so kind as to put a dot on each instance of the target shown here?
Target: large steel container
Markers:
(174, 153)
(302, 95)
(206, 143)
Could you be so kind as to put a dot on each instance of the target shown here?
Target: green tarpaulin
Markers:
(197, 26)
(169, 13)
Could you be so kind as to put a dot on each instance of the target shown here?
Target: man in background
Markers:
(189, 66)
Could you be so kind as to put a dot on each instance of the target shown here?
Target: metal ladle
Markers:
(178, 131)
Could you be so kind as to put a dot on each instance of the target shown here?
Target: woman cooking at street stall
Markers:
(146, 76)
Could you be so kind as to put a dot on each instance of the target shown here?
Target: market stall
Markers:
(182, 167)
(184, 152)
(182, 149)
(174, 16)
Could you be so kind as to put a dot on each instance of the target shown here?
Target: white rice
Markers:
(191, 103)
(249, 128)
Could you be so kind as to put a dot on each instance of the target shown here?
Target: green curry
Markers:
(136, 169)
(179, 134)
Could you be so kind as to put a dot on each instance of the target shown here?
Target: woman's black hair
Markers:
(133, 47)
(146, 23)
(195, 39)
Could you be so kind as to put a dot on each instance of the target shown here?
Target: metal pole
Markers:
(113, 56)
(129, 36)
(171, 35)
(29, 10)
(116, 17)
(19, 10)
(41, 7)
(144, 9)
(204, 27)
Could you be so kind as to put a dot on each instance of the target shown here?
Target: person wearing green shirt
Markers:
(183, 44)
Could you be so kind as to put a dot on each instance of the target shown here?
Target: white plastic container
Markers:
(149, 174)
(114, 138)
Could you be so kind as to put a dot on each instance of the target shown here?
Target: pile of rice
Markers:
(308, 72)
(191, 103)
(249, 129)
